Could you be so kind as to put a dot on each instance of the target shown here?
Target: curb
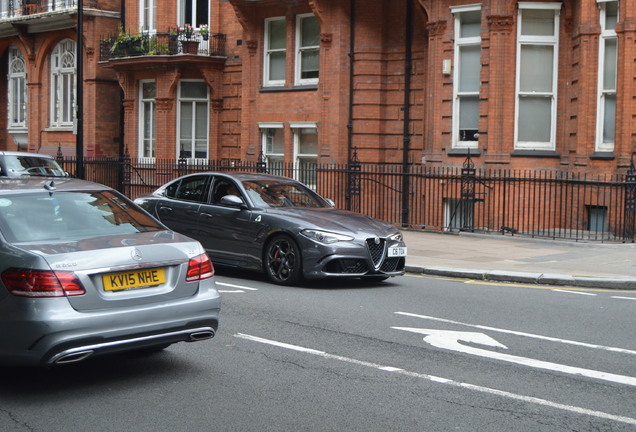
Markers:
(527, 278)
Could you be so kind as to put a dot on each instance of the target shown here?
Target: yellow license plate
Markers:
(133, 279)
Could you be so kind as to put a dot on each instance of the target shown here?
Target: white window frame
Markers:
(552, 94)
(267, 52)
(17, 77)
(63, 84)
(457, 95)
(148, 16)
(265, 128)
(152, 138)
(192, 19)
(193, 101)
(606, 35)
(296, 128)
(301, 49)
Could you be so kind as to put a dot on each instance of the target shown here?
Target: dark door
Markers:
(230, 233)
(179, 209)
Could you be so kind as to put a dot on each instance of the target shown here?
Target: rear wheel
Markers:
(283, 263)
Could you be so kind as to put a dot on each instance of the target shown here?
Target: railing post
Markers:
(468, 194)
(353, 180)
(124, 172)
(630, 203)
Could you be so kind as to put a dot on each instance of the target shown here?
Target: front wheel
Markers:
(283, 264)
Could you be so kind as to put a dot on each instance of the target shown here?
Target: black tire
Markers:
(282, 260)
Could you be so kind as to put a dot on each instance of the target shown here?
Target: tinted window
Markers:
(188, 189)
(70, 216)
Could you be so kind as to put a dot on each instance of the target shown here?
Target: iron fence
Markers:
(543, 204)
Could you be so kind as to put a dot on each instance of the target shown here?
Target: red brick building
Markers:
(517, 84)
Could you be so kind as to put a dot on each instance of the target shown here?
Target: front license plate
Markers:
(133, 279)
(397, 251)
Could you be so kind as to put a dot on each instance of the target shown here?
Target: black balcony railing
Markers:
(161, 44)
(541, 204)
(17, 8)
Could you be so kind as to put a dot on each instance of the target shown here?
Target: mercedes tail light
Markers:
(199, 268)
(41, 283)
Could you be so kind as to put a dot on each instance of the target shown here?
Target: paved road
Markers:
(351, 357)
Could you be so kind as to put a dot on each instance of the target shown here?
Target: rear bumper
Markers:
(59, 334)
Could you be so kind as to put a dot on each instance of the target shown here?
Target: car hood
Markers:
(336, 220)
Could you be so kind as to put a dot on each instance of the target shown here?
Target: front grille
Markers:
(347, 266)
(377, 250)
(392, 265)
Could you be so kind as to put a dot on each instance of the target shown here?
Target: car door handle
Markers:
(208, 215)
(165, 209)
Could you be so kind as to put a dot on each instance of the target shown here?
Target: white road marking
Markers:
(236, 286)
(624, 298)
(449, 340)
(445, 381)
(517, 333)
(574, 292)
(230, 291)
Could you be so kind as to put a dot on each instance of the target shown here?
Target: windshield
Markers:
(274, 193)
(33, 166)
(70, 216)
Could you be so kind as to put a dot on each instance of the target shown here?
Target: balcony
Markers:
(41, 15)
(125, 46)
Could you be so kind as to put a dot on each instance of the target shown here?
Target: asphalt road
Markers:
(351, 356)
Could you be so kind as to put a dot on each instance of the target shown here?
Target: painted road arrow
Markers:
(450, 340)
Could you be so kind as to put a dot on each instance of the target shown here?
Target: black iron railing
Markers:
(17, 8)
(543, 204)
(157, 44)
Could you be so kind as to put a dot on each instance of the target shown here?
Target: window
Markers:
(193, 120)
(273, 146)
(466, 79)
(194, 12)
(147, 113)
(275, 51)
(17, 89)
(63, 84)
(305, 152)
(308, 49)
(608, 49)
(148, 16)
(191, 188)
(458, 214)
(537, 66)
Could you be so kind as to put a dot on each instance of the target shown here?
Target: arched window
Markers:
(63, 84)
(17, 110)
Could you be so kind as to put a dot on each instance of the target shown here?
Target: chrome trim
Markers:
(82, 352)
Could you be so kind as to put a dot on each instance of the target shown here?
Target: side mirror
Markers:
(330, 202)
(232, 201)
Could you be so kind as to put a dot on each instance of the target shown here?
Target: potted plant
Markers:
(187, 31)
(174, 33)
(204, 32)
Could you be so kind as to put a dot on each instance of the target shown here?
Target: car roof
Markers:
(12, 184)
(242, 176)
(17, 153)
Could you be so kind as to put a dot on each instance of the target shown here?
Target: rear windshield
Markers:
(70, 216)
(32, 166)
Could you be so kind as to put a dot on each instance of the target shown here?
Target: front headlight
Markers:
(325, 237)
(396, 237)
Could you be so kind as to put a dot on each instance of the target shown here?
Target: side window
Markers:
(222, 188)
(192, 189)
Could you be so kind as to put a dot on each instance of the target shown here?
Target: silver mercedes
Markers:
(85, 272)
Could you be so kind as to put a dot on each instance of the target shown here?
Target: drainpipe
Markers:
(79, 115)
(352, 20)
(407, 113)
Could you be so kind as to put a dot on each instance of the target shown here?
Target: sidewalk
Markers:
(496, 257)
